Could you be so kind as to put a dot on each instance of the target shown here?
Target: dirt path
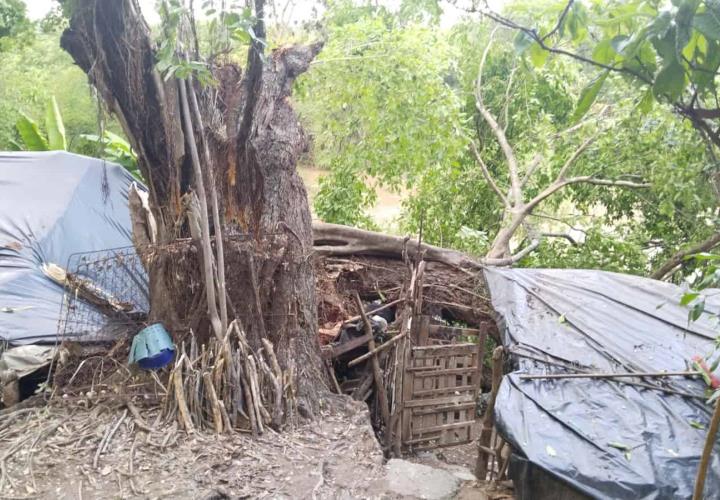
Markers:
(53, 452)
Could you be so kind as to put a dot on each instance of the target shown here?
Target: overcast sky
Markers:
(36, 9)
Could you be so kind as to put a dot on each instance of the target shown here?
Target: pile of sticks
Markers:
(225, 385)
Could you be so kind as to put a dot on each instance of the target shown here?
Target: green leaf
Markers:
(522, 41)
(30, 134)
(670, 81)
(619, 446)
(688, 297)
(619, 43)
(646, 103)
(538, 55)
(708, 23)
(697, 310)
(55, 127)
(604, 53)
(697, 425)
(588, 96)
(684, 24)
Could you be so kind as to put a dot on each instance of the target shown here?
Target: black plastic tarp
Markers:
(603, 438)
(52, 205)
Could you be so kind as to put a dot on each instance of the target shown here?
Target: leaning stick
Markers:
(372, 352)
(373, 311)
(219, 246)
(182, 403)
(207, 254)
(707, 451)
(382, 394)
(214, 403)
(610, 375)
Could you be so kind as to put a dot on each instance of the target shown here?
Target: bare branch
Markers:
(531, 169)
(513, 259)
(488, 177)
(560, 20)
(586, 179)
(496, 129)
(673, 262)
(507, 98)
(573, 158)
(565, 236)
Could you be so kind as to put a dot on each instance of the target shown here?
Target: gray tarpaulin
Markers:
(52, 205)
(599, 437)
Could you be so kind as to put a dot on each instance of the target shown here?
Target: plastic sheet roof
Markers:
(52, 205)
(603, 438)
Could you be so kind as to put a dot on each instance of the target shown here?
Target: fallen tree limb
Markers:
(673, 262)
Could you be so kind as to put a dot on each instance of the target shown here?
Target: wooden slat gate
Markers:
(440, 385)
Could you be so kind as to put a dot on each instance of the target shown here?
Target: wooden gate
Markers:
(440, 385)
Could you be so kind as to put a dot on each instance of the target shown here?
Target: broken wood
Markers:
(379, 384)
(481, 467)
(373, 311)
(214, 403)
(376, 350)
(348, 346)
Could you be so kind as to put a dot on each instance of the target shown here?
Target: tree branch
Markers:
(514, 258)
(587, 179)
(573, 158)
(508, 23)
(572, 240)
(496, 129)
(673, 262)
(531, 169)
(488, 177)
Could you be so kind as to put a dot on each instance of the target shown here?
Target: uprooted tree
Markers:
(220, 161)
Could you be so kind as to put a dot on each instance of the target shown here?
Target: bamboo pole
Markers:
(219, 246)
(382, 394)
(486, 431)
(204, 220)
(707, 452)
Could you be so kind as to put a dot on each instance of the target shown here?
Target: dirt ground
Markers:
(84, 449)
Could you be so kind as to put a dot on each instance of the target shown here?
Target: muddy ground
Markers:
(85, 448)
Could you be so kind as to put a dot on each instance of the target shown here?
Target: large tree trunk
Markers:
(254, 139)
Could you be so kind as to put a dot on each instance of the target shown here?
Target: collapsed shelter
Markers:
(636, 437)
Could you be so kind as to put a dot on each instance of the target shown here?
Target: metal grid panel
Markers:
(106, 295)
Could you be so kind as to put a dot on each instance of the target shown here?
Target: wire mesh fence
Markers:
(106, 295)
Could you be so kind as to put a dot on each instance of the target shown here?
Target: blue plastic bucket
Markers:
(152, 348)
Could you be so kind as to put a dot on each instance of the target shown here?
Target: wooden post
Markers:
(382, 393)
(707, 452)
(487, 427)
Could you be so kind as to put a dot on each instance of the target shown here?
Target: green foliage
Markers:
(30, 135)
(54, 126)
(381, 107)
(114, 148)
(13, 19)
(34, 140)
(30, 74)
(673, 49)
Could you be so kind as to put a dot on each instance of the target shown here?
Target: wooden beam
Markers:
(372, 352)
(486, 431)
(379, 384)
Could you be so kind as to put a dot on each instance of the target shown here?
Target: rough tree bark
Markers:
(253, 139)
